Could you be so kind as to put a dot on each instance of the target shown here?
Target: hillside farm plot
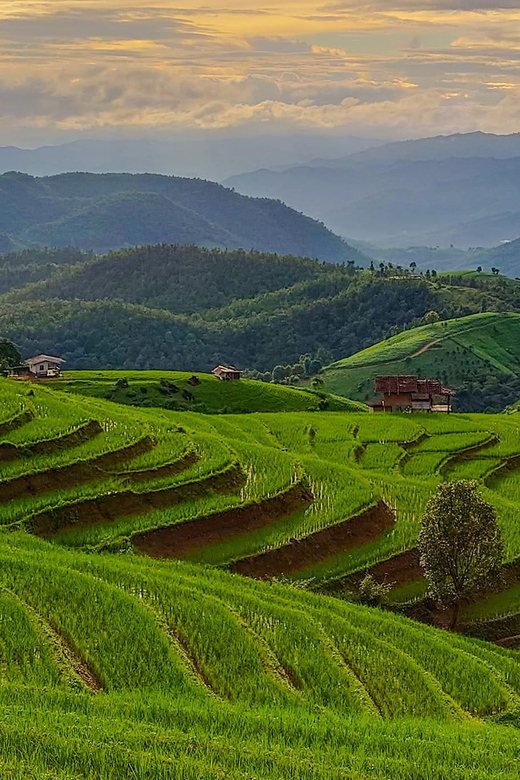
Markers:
(312, 496)
(136, 647)
(478, 356)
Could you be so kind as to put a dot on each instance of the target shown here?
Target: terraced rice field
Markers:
(304, 495)
(132, 647)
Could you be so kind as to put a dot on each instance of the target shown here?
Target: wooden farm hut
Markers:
(405, 393)
(227, 373)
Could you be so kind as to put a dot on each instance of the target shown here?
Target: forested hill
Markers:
(189, 308)
(100, 212)
(179, 279)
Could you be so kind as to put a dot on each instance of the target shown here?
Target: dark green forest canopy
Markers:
(179, 279)
(100, 212)
(190, 308)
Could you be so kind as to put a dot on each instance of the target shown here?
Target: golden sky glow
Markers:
(392, 68)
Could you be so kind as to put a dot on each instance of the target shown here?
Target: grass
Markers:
(166, 389)
(118, 665)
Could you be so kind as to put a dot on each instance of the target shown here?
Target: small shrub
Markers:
(372, 593)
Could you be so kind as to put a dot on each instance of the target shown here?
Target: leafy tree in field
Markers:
(460, 544)
(9, 355)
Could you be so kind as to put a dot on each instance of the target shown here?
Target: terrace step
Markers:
(78, 473)
(16, 422)
(398, 570)
(176, 541)
(106, 509)
(77, 672)
(84, 433)
(467, 454)
(300, 554)
(510, 464)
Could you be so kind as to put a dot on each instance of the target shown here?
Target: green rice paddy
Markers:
(114, 664)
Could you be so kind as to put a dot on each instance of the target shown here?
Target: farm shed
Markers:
(406, 393)
(227, 373)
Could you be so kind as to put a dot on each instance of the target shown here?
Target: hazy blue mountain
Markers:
(196, 155)
(110, 211)
(443, 147)
(461, 200)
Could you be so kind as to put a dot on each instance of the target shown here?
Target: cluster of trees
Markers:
(306, 367)
(9, 355)
(388, 269)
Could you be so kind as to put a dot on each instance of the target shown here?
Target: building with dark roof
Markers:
(407, 393)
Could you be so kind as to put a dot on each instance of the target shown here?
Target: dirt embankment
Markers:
(398, 570)
(460, 457)
(16, 422)
(303, 553)
(70, 476)
(106, 509)
(177, 540)
(67, 441)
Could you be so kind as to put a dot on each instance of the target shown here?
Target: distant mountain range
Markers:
(196, 155)
(461, 190)
(110, 211)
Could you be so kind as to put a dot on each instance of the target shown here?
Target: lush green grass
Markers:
(211, 395)
(113, 665)
(471, 354)
(214, 659)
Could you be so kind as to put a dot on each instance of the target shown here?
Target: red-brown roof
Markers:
(405, 383)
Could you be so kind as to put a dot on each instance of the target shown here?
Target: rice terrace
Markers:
(175, 588)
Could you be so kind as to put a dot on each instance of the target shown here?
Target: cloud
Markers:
(419, 6)
(439, 65)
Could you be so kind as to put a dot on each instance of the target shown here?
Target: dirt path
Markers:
(177, 540)
(303, 553)
(425, 348)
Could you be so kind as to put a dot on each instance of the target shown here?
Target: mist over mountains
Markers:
(462, 190)
(196, 155)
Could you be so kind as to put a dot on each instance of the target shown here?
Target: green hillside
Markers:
(155, 307)
(135, 649)
(172, 390)
(479, 356)
(179, 279)
(100, 212)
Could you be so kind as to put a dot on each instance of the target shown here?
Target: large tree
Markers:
(460, 544)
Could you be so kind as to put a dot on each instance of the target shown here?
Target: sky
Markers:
(377, 68)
